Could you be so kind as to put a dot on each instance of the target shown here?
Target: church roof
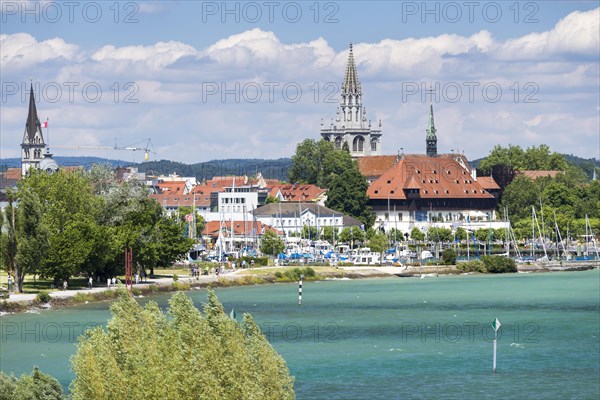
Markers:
(351, 83)
(433, 177)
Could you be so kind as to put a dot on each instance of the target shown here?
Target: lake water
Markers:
(394, 338)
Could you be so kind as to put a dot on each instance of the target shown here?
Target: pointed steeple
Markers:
(351, 84)
(431, 126)
(33, 144)
(351, 128)
(431, 138)
(33, 123)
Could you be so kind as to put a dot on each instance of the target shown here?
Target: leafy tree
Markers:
(351, 235)
(448, 257)
(348, 194)
(461, 234)
(519, 196)
(70, 213)
(9, 244)
(32, 237)
(272, 199)
(183, 354)
(305, 166)
(309, 232)
(37, 386)
(270, 243)
(378, 244)
(439, 234)
(329, 233)
(417, 235)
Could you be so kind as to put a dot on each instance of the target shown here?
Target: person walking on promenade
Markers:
(90, 282)
(114, 281)
(65, 285)
(108, 283)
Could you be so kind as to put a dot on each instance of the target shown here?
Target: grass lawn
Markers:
(31, 285)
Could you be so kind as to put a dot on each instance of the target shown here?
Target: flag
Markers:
(232, 314)
(496, 325)
(44, 124)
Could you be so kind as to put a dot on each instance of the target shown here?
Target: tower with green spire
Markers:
(431, 138)
(351, 127)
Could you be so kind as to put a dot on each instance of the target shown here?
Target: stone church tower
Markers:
(350, 126)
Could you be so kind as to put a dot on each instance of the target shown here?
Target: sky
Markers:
(207, 80)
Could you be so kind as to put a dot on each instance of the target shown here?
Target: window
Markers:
(399, 216)
(338, 142)
(373, 144)
(358, 144)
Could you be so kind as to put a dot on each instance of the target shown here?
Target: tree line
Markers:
(78, 223)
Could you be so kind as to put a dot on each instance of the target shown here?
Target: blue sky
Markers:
(208, 80)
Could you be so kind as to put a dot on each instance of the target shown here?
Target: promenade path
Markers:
(62, 294)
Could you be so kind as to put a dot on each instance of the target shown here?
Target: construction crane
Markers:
(145, 149)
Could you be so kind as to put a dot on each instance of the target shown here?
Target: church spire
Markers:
(431, 138)
(351, 84)
(33, 123)
(33, 140)
(351, 128)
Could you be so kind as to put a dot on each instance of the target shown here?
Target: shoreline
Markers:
(18, 303)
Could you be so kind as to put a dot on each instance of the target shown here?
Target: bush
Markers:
(232, 360)
(499, 264)
(136, 291)
(153, 288)
(278, 275)
(35, 386)
(43, 297)
(180, 286)
(448, 257)
(471, 266)
(175, 277)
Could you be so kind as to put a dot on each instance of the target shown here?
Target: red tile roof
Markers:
(181, 200)
(300, 193)
(433, 177)
(172, 187)
(240, 228)
(488, 183)
(375, 166)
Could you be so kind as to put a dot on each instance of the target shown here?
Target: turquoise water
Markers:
(393, 338)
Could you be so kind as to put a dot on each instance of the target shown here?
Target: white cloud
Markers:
(184, 126)
(21, 50)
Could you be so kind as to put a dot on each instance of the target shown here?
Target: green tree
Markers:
(448, 257)
(378, 244)
(348, 194)
(461, 233)
(417, 235)
(329, 233)
(271, 244)
(32, 237)
(182, 354)
(352, 235)
(37, 386)
(272, 199)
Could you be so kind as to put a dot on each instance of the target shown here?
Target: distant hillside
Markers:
(270, 169)
(587, 165)
(67, 161)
